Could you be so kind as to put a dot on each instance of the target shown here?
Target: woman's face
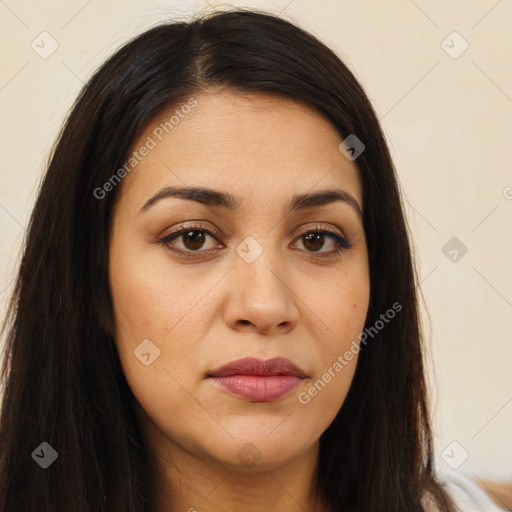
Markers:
(255, 275)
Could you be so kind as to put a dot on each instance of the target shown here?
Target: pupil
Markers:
(193, 239)
(317, 240)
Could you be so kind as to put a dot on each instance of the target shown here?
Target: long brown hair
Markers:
(63, 382)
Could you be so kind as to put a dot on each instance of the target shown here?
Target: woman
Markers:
(216, 307)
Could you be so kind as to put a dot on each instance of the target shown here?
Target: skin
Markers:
(214, 307)
(499, 492)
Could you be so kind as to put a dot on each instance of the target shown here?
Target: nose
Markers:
(261, 298)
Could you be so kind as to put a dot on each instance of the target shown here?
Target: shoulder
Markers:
(466, 493)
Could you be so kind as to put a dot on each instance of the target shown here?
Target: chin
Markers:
(256, 450)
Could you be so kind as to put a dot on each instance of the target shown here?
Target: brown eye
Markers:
(323, 243)
(189, 240)
(314, 241)
(193, 239)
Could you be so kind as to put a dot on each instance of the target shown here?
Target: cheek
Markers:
(149, 294)
(159, 324)
(340, 305)
(166, 304)
(343, 306)
(339, 316)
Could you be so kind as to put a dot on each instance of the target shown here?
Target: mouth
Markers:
(255, 380)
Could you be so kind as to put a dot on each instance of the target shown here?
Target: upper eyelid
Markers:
(192, 227)
(342, 242)
(318, 226)
(176, 233)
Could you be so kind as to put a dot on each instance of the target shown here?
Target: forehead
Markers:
(252, 145)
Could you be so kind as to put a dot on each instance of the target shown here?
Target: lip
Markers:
(256, 380)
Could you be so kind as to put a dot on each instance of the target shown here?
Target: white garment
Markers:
(466, 493)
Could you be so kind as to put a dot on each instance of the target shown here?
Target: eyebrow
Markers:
(227, 201)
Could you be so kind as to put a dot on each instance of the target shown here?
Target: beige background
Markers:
(449, 124)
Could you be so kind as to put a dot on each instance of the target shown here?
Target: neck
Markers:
(193, 484)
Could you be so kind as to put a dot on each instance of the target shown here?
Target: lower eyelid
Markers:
(171, 237)
(180, 232)
(341, 245)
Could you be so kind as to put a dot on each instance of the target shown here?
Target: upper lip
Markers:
(258, 367)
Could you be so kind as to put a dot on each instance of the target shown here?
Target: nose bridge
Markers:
(260, 293)
(257, 265)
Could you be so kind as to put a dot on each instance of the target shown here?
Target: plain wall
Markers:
(448, 120)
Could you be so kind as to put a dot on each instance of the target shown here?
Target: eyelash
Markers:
(341, 244)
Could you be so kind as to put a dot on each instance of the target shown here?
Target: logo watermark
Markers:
(144, 149)
(304, 397)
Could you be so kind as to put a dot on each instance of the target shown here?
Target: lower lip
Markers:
(257, 388)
